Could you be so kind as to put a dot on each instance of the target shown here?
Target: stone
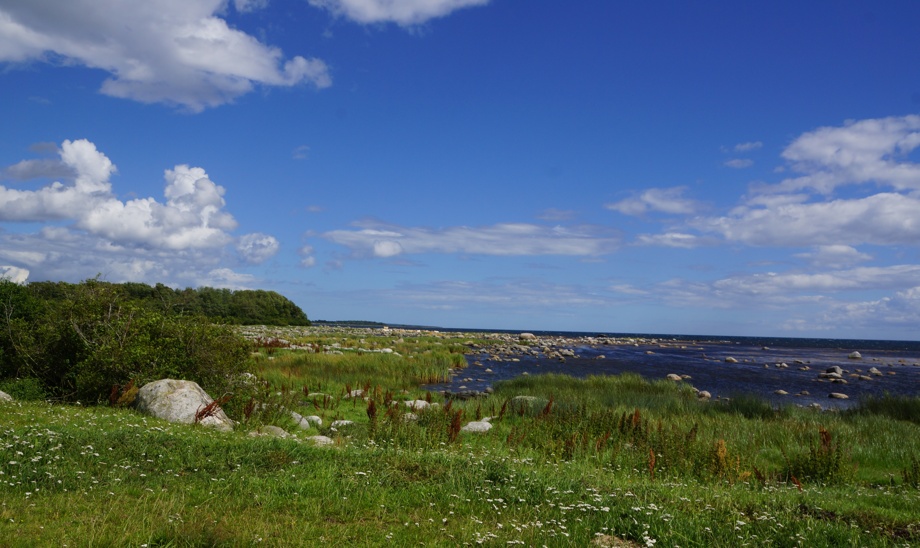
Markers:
(855, 356)
(477, 426)
(703, 395)
(527, 336)
(306, 422)
(781, 393)
(838, 396)
(417, 405)
(355, 394)
(179, 401)
(269, 431)
(875, 371)
(674, 377)
(341, 423)
(731, 360)
(835, 369)
(320, 440)
(5, 397)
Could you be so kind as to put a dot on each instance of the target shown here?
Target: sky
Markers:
(728, 168)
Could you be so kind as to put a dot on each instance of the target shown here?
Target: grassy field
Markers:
(603, 461)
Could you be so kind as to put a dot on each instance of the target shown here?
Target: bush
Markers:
(83, 342)
(27, 389)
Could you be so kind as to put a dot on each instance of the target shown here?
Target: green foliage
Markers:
(897, 407)
(77, 341)
(27, 389)
(825, 461)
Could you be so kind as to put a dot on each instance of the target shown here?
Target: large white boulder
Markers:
(5, 397)
(179, 401)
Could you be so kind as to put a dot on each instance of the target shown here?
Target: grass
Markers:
(614, 461)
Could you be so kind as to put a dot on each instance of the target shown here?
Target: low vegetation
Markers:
(602, 461)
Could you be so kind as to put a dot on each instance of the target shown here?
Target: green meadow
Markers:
(601, 461)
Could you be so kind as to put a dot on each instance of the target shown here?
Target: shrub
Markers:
(78, 346)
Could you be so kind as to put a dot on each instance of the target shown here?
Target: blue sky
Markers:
(725, 169)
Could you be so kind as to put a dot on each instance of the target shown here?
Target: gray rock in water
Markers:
(855, 356)
(5, 397)
(835, 369)
(674, 377)
(703, 395)
(731, 360)
(838, 396)
(179, 401)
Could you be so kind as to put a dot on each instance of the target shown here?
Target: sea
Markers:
(784, 371)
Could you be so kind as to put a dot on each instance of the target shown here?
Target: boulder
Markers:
(341, 424)
(674, 377)
(703, 395)
(179, 401)
(875, 371)
(527, 336)
(477, 426)
(320, 440)
(781, 393)
(855, 356)
(838, 396)
(417, 405)
(306, 422)
(731, 360)
(835, 369)
(5, 397)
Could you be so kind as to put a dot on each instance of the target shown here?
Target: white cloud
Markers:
(739, 163)
(157, 51)
(14, 274)
(257, 247)
(86, 230)
(834, 256)
(508, 239)
(883, 219)
(670, 239)
(865, 151)
(226, 278)
(664, 200)
(401, 12)
(245, 6)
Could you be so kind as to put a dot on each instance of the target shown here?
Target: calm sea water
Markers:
(756, 372)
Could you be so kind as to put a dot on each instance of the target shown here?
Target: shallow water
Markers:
(755, 373)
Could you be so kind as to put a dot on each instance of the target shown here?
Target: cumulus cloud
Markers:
(257, 247)
(14, 274)
(664, 200)
(87, 230)
(508, 239)
(158, 51)
(403, 12)
(865, 151)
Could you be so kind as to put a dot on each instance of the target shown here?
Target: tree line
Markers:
(88, 341)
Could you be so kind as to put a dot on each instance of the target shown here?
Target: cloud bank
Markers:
(158, 51)
(375, 239)
(86, 229)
